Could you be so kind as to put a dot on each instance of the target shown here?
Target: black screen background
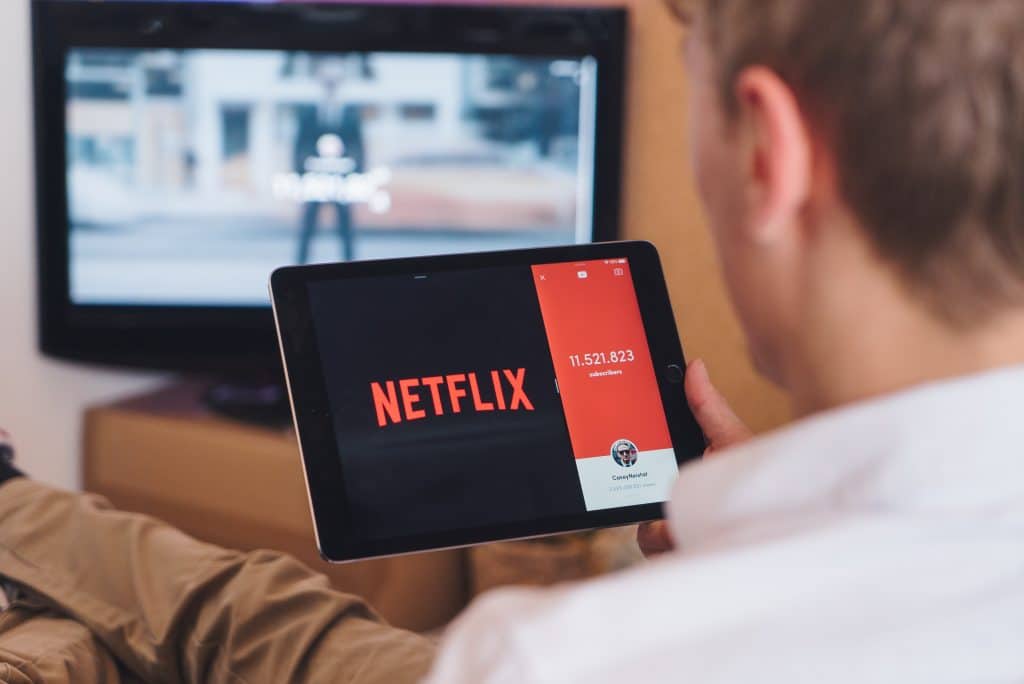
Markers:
(454, 471)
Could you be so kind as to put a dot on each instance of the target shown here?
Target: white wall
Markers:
(41, 401)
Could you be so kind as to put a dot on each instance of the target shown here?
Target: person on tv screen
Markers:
(862, 167)
(329, 143)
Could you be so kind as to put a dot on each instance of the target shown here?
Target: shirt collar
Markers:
(948, 448)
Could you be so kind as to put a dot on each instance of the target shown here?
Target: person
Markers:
(862, 166)
(625, 453)
(331, 132)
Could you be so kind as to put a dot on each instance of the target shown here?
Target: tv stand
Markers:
(241, 487)
(262, 402)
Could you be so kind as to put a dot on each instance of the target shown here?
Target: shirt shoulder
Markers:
(839, 598)
(584, 631)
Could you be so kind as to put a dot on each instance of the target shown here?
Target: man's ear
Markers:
(777, 148)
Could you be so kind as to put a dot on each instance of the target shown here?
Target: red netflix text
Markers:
(416, 398)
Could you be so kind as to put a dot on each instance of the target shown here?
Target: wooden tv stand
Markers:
(238, 486)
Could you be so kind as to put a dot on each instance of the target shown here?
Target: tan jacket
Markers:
(104, 596)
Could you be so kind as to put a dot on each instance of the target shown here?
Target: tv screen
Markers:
(225, 164)
(186, 150)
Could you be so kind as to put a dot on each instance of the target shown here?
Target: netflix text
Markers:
(413, 399)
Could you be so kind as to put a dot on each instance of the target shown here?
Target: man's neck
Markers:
(873, 338)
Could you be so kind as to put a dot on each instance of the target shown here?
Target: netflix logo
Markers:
(412, 399)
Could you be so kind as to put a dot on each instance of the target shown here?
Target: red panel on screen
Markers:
(599, 348)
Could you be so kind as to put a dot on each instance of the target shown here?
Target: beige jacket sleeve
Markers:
(172, 609)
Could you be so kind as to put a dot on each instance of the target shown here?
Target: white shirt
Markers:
(878, 543)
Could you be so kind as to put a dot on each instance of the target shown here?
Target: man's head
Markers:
(851, 151)
(332, 72)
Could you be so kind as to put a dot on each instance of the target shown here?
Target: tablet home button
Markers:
(675, 374)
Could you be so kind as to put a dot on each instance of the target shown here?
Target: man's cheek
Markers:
(703, 172)
(716, 197)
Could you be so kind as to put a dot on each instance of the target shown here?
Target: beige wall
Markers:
(41, 401)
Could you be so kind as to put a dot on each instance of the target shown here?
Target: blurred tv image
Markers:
(192, 174)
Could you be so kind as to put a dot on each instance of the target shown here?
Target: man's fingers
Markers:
(720, 424)
(654, 538)
(722, 428)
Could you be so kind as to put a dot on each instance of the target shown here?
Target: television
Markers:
(184, 150)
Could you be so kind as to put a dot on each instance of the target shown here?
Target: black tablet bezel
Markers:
(311, 407)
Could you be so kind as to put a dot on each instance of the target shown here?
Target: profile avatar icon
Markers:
(625, 453)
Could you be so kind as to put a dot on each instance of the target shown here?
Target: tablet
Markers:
(453, 400)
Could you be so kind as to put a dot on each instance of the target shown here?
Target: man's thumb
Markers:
(721, 426)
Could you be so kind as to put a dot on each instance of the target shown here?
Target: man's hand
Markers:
(722, 429)
(6, 450)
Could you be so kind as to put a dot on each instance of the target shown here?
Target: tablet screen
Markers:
(479, 397)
